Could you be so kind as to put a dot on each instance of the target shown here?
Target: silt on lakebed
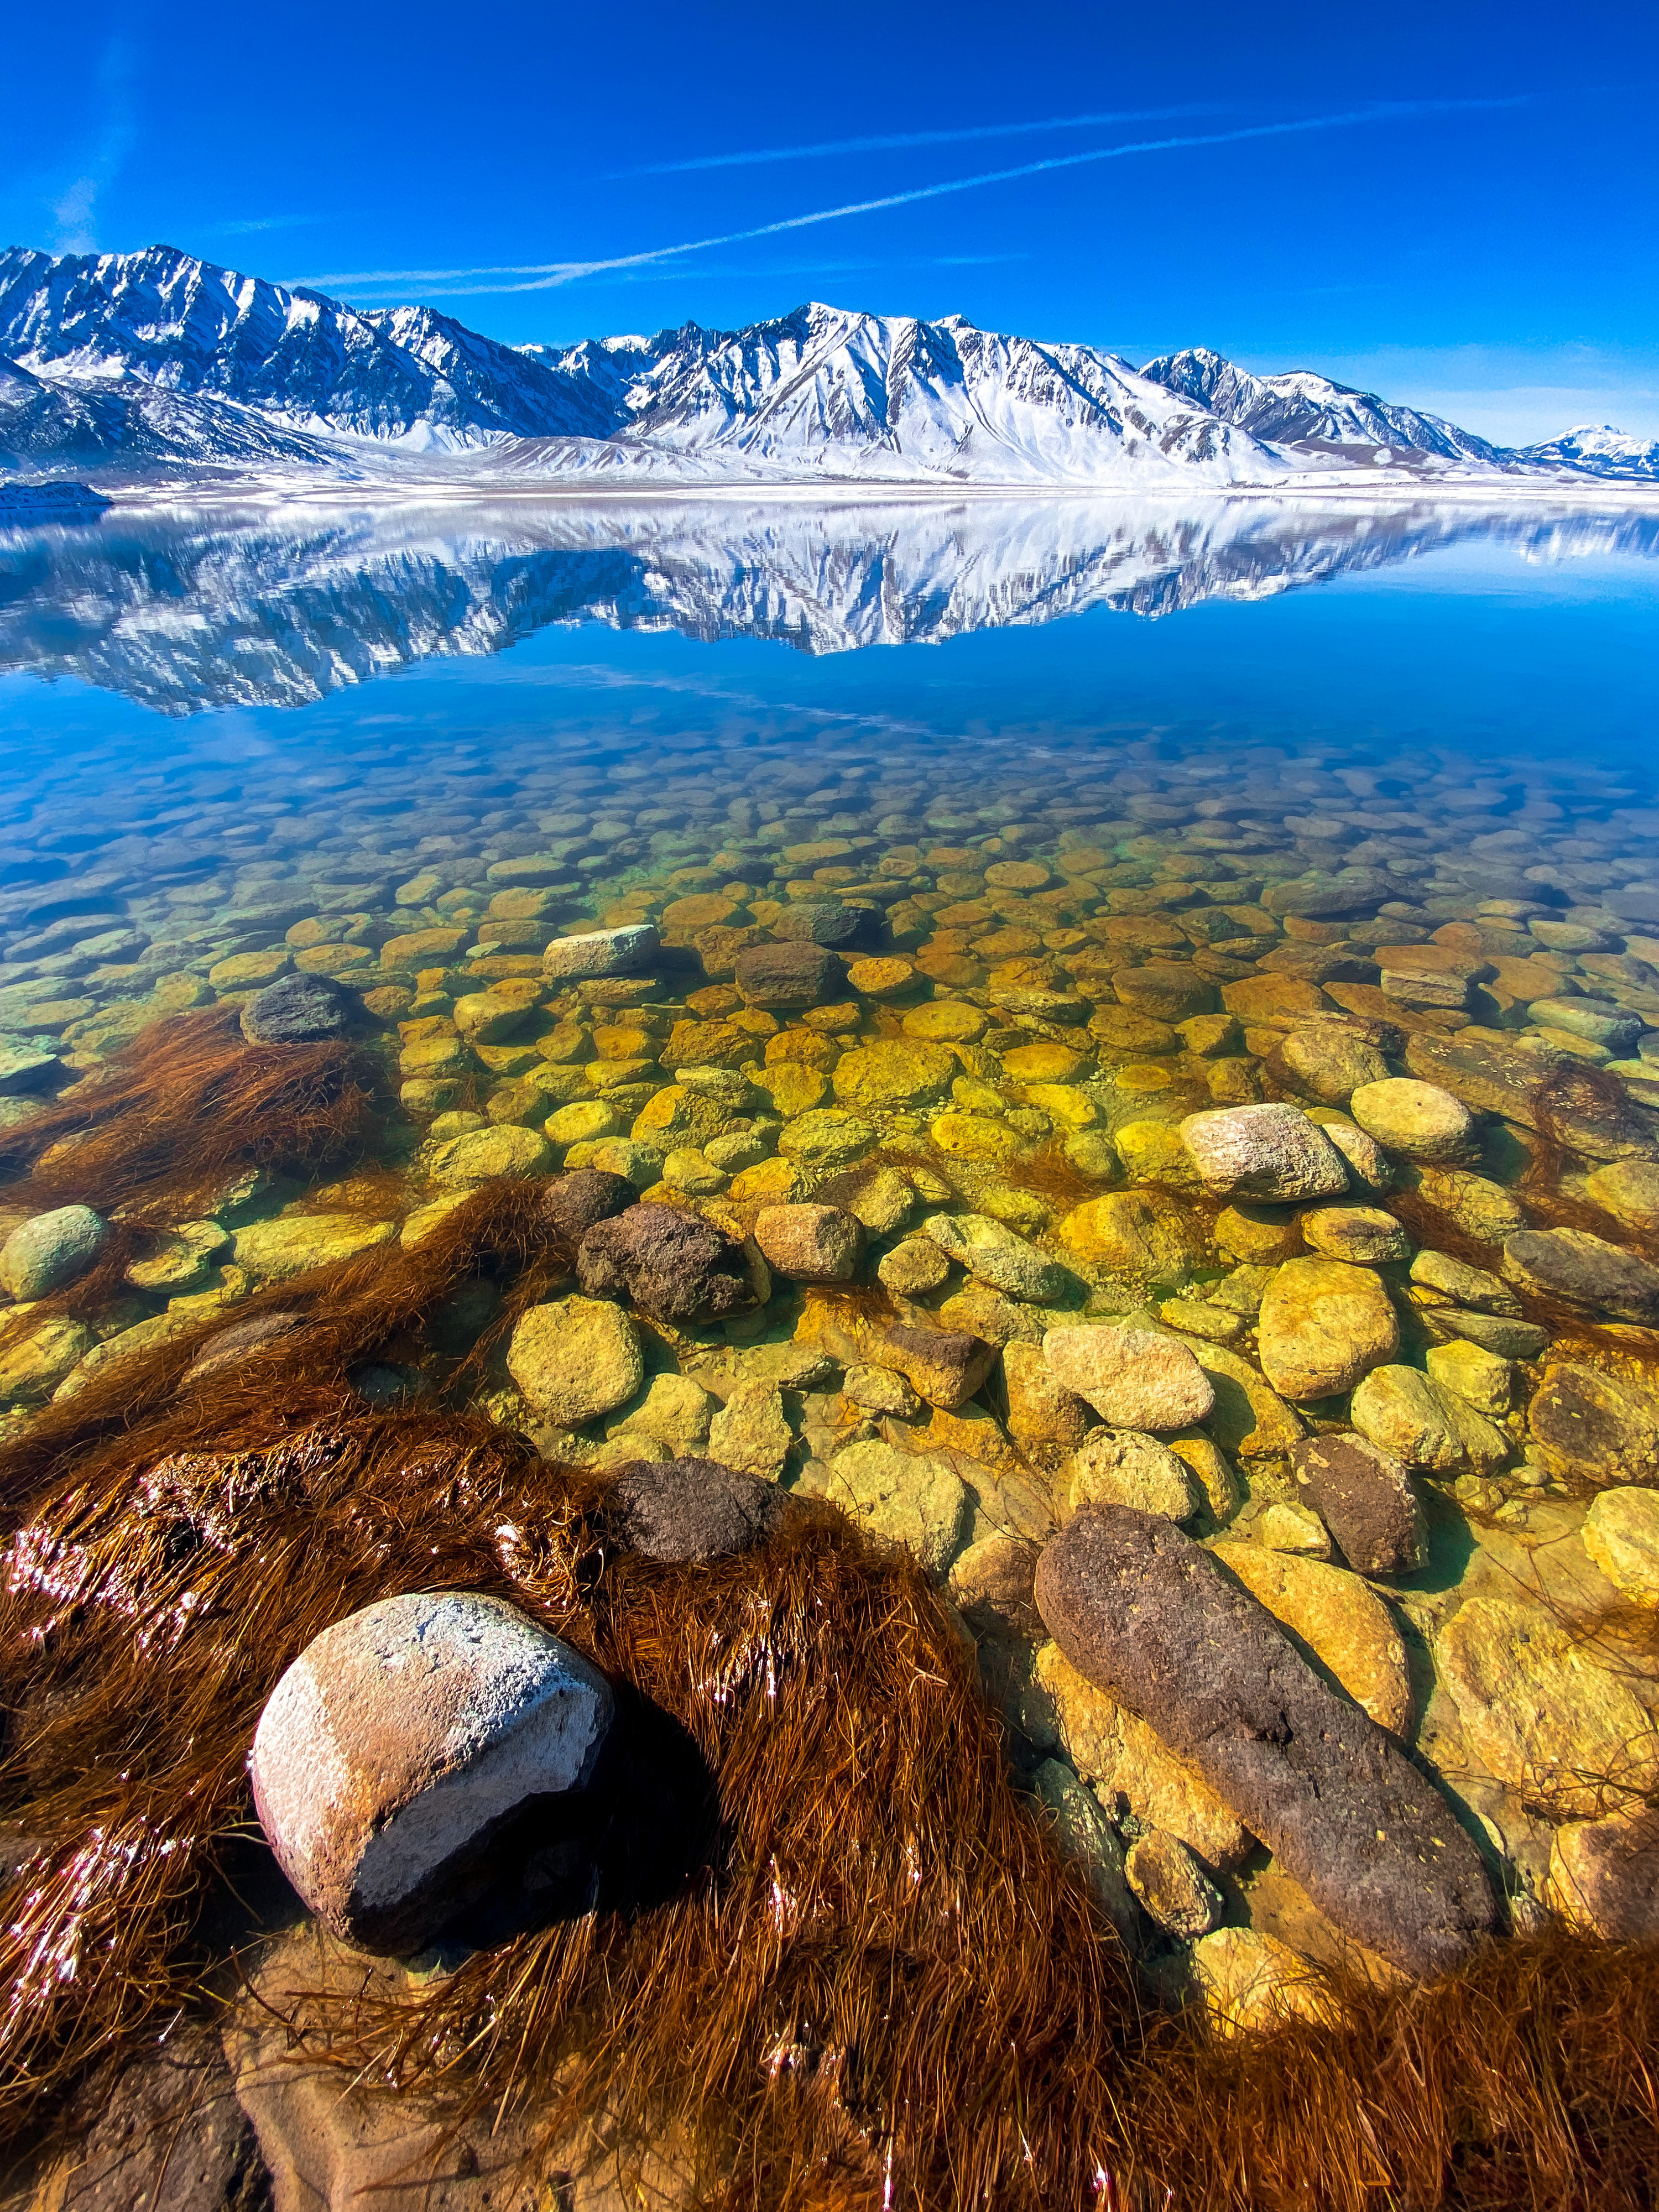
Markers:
(888, 1884)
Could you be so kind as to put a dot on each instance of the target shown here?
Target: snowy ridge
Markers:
(149, 363)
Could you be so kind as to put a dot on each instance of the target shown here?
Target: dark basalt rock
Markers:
(1584, 1271)
(846, 928)
(672, 1266)
(1149, 1615)
(1367, 1500)
(788, 975)
(575, 1201)
(300, 1010)
(684, 1509)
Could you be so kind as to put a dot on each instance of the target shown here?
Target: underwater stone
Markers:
(576, 1359)
(1621, 1535)
(293, 1244)
(1120, 1466)
(996, 1255)
(673, 1265)
(45, 1253)
(1343, 1623)
(1367, 1500)
(750, 1431)
(26, 1065)
(903, 1498)
(1323, 1324)
(1172, 1885)
(810, 1243)
(1149, 1615)
(239, 1342)
(601, 953)
(943, 1365)
(844, 928)
(1604, 1875)
(1421, 1424)
(1327, 1061)
(398, 1743)
(32, 1367)
(574, 1203)
(1584, 1271)
(683, 1511)
(1269, 1152)
(300, 1010)
(783, 976)
(1086, 1837)
(1132, 1377)
(1418, 1119)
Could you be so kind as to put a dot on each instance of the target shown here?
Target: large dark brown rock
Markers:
(1367, 1500)
(684, 1509)
(672, 1266)
(1150, 1616)
(300, 1010)
(164, 2133)
(1584, 1271)
(847, 928)
(575, 1201)
(782, 976)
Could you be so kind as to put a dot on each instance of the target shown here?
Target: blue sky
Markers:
(1455, 204)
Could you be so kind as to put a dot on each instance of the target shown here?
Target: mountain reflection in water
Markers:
(183, 607)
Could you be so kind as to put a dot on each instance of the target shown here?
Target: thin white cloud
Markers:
(547, 276)
(75, 208)
(899, 139)
(246, 225)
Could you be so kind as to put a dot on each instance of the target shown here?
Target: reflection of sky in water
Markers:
(1515, 632)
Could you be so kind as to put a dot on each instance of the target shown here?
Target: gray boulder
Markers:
(1270, 1151)
(300, 1010)
(1150, 1616)
(395, 1747)
(783, 976)
(45, 1253)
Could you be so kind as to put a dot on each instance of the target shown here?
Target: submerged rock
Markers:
(47, 1252)
(1420, 1423)
(683, 1511)
(997, 1255)
(810, 1243)
(1119, 1467)
(1172, 1885)
(1269, 1152)
(1604, 1875)
(1323, 1324)
(397, 1744)
(783, 976)
(672, 1265)
(621, 951)
(1418, 1119)
(1085, 1836)
(1367, 1500)
(905, 1498)
(574, 1359)
(300, 1010)
(1132, 1377)
(1585, 1271)
(1140, 1609)
(1621, 1535)
(576, 1200)
(945, 1366)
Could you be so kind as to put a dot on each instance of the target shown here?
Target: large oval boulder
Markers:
(50, 1249)
(1149, 1615)
(391, 1751)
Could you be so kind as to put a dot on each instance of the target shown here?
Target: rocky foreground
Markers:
(1233, 1280)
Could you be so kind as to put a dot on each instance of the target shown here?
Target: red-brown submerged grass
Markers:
(184, 1108)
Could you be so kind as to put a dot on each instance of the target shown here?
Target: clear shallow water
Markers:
(1132, 801)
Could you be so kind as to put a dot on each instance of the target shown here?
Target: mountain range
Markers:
(126, 368)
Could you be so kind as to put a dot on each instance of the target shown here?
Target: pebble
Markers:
(398, 1741)
(1323, 1325)
(915, 1266)
(1621, 1535)
(620, 951)
(905, 1498)
(1418, 1119)
(48, 1251)
(1366, 1499)
(881, 1390)
(1132, 1377)
(1135, 1605)
(1120, 1466)
(1268, 1152)
(1172, 1886)
(576, 1359)
(810, 1243)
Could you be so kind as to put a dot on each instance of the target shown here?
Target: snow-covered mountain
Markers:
(1304, 409)
(249, 605)
(130, 365)
(1599, 450)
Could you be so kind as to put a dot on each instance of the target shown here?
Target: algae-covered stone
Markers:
(576, 1359)
(1134, 1232)
(1120, 1466)
(1086, 1837)
(272, 1251)
(1250, 1419)
(1260, 1236)
(484, 1154)
(996, 1255)
(895, 1071)
(49, 1250)
(1473, 1203)
(1588, 1426)
(1132, 1377)
(1253, 1984)
(1041, 1410)
(1421, 1424)
(1418, 1119)
(180, 1259)
(1604, 1875)
(903, 1498)
(1343, 1623)
(975, 1137)
(751, 1432)
(1323, 1324)
(1538, 1712)
(1152, 1151)
(1585, 1271)
(1628, 1189)
(32, 1366)
(1172, 1885)
(1475, 1374)
(910, 1268)
(1621, 1535)
(828, 1138)
(1362, 1234)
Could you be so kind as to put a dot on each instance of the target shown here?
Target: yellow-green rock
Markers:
(895, 1071)
(1133, 1232)
(1343, 1623)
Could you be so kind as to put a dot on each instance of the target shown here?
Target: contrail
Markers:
(547, 276)
(903, 138)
